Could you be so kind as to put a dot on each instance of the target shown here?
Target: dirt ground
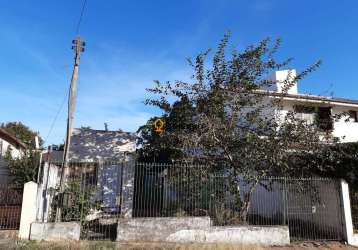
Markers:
(13, 245)
(315, 245)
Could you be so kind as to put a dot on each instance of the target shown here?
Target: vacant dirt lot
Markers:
(12, 245)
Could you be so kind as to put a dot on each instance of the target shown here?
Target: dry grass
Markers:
(164, 246)
(131, 246)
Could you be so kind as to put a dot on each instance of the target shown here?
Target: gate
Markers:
(314, 209)
(10, 207)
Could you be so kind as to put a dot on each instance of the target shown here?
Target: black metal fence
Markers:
(10, 206)
(96, 195)
(311, 207)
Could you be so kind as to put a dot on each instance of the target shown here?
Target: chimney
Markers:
(279, 77)
(37, 143)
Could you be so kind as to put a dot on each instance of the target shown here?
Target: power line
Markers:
(81, 16)
(55, 118)
(84, 4)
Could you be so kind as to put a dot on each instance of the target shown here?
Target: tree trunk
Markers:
(246, 204)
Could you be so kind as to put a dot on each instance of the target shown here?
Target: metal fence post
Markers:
(284, 200)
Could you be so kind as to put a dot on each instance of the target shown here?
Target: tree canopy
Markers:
(22, 132)
(225, 119)
(25, 167)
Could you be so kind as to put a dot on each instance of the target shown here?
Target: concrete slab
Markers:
(157, 229)
(198, 230)
(266, 236)
(55, 231)
(8, 234)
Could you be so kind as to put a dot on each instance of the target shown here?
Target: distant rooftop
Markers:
(92, 145)
(307, 97)
(281, 77)
(12, 139)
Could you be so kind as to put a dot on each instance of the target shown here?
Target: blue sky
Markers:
(131, 43)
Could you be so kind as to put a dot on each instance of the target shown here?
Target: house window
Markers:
(320, 116)
(324, 119)
(353, 115)
(304, 109)
(306, 113)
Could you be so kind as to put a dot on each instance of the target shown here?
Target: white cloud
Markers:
(111, 89)
(114, 91)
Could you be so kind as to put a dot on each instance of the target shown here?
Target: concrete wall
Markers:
(267, 236)
(49, 181)
(29, 209)
(157, 229)
(55, 231)
(350, 236)
(199, 230)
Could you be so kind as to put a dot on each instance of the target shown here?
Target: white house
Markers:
(311, 107)
(9, 143)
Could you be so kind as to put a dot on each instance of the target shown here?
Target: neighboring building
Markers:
(96, 157)
(10, 143)
(318, 110)
(95, 145)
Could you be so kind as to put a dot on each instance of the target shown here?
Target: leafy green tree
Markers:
(22, 132)
(24, 168)
(224, 120)
(158, 148)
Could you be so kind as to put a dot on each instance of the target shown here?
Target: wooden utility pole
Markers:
(78, 47)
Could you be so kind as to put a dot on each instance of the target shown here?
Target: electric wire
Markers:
(81, 17)
(55, 118)
(84, 4)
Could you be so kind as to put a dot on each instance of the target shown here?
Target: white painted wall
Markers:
(4, 146)
(15, 153)
(279, 78)
(29, 209)
(50, 180)
(346, 131)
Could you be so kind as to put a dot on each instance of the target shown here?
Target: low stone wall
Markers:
(198, 229)
(157, 229)
(55, 231)
(353, 240)
(8, 234)
(267, 236)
